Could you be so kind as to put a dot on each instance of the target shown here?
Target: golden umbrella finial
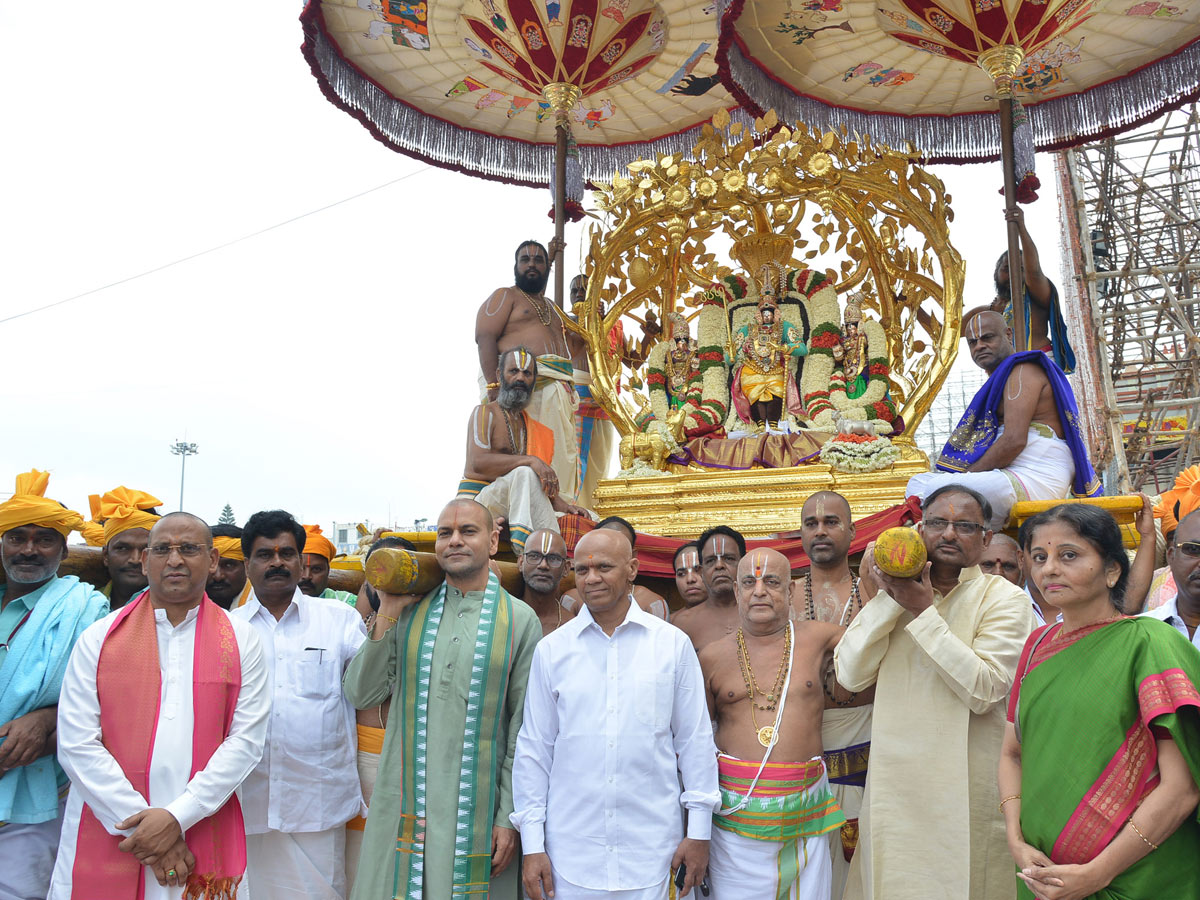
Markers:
(1002, 64)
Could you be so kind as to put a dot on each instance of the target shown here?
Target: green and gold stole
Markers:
(477, 778)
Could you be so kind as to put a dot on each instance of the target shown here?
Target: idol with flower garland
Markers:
(763, 380)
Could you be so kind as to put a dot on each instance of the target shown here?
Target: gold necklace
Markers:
(766, 732)
(512, 440)
(542, 311)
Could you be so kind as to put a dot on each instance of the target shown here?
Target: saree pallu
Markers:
(1083, 713)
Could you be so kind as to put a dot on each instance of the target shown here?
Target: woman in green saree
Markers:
(1101, 759)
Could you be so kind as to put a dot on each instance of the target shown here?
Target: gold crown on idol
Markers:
(854, 305)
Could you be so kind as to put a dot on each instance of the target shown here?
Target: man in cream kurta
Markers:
(941, 651)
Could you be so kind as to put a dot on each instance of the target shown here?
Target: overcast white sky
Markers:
(326, 366)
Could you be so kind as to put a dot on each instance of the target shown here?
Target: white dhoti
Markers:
(27, 854)
(370, 747)
(846, 737)
(564, 890)
(1044, 470)
(597, 439)
(791, 800)
(303, 865)
(518, 496)
(553, 404)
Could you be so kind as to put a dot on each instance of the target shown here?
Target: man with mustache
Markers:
(314, 573)
(228, 586)
(941, 650)
(456, 664)
(542, 566)
(830, 593)
(1019, 438)
(1183, 556)
(163, 713)
(509, 453)
(127, 516)
(764, 690)
(42, 615)
(299, 798)
(721, 549)
(521, 316)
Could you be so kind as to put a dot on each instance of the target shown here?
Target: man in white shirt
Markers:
(174, 672)
(298, 800)
(1183, 556)
(615, 718)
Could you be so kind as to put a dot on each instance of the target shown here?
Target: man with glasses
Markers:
(299, 798)
(941, 650)
(542, 566)
(1019, 438)
(41, 617)
(721, 549)
(173, 676)
(1183, 556)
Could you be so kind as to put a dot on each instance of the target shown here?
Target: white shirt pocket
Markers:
(652, 700)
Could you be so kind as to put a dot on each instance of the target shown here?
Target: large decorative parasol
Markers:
(930, 72)
(519, 90)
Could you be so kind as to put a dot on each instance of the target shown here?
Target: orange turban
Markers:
(1182, 499)
(317, 543)
(229, 548)
(122, 509)
(28, 506)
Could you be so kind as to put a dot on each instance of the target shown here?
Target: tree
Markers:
(227, 516)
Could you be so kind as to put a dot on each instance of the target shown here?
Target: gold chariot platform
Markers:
(756, 502)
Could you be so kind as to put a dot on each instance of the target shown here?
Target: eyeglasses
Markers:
(1189, 548)
(552, 559)
(187, 551)
(964, 528)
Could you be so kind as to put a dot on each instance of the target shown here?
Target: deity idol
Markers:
(851, 351)
(681, 364)
(762, 383)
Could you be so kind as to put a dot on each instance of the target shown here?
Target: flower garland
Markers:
(707, 396)
(859, 453)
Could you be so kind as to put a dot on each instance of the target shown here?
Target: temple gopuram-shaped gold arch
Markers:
(825, 223)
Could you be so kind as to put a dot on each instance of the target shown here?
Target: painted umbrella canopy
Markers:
(459, 83)
(906, 70)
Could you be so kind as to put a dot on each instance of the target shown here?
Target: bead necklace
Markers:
(766, 732)
(810, 613)
(512, 440)
(541, 309)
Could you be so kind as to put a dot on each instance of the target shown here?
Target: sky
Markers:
(326, 366)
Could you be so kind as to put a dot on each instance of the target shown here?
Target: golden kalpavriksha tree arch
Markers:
(863, 217)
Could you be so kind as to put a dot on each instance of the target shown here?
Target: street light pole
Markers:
(183, 450)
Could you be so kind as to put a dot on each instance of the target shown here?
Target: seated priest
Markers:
(508, 455)
(1019, 438)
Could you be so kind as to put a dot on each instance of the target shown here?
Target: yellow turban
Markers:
(28, 506)
(229, 548)
(122, 509)
(317, 543)
(1182, 499)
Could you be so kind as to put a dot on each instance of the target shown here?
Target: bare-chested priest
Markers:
(721, 549)
(829, 592)
(1019, 437)
(764, 690)
(521, 316)
(542, 566)
(508, 453)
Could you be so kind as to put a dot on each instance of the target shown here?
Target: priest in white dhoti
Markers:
(1019, 438)
(615, 745)
(299, 798)
(941, 650)
(174, 677)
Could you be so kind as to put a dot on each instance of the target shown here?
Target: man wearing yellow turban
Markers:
(1171, 509)
(314, 577)
(127, 516)
(41, 617)
(227, 584)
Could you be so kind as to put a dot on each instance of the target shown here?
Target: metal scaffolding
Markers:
(1130, 220)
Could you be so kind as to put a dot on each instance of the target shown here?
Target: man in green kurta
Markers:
(456, 664)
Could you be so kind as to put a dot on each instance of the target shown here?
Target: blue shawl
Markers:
(978, 427)
(1060, 344)
(30, 679)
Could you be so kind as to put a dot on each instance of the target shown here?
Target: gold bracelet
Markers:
(1006, 799)
(1153, 846)
(493, 385)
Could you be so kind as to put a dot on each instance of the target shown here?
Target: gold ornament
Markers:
(765, 734)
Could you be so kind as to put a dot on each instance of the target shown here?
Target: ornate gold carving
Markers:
(1002, 63)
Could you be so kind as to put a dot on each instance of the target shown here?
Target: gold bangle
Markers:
(493, 385)
(1153, 846)
(1006, 799)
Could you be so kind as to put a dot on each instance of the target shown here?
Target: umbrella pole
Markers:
(1002, 63)
(560, 207)
(1016, 270)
